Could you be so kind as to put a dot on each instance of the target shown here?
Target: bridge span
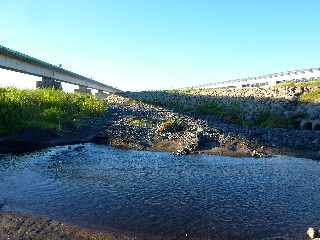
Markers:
(52, 75)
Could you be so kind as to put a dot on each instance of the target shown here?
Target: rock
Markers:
(312, 233)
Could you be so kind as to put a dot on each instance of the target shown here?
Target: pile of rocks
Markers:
(161, 129)
(279, 102)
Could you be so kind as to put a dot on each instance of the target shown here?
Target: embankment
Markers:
(284, 119)
(237, 122)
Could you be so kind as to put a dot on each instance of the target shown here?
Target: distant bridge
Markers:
(268, 80)
(52, 75)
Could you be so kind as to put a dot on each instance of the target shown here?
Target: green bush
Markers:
(228, 112)
(132, 101)
(310, 97)
(266, 119)
(232, 113)
(44, 108)
(138, 122)
(209, 108)
(313, 83)
(167, 125)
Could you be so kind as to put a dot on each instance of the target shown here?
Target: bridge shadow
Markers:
(279, 122)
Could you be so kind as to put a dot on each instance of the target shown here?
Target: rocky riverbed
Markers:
(15, 226)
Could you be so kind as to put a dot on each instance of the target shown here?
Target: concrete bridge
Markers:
(268, 79)
(52, 75)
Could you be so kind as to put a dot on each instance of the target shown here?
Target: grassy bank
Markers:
(309, 97)
(44, 108)
(233, 113)
(237, 107)
(313, 83)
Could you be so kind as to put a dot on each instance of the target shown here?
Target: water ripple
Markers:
(206, 197)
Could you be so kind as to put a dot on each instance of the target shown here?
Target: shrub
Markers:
(310, 97)
(312, 83)
(167, 124)
(132, 101)
(229, 112)
(138, 122)
(209, 108)
(44, 108)
(232, 113)
(266, 119)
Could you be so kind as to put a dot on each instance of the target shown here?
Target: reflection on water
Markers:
(198, 196)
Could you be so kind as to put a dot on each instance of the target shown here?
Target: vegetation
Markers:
(313, 83)
(182, 90)
(167, 124)
(44, 108)
(229, 113)
(133, 101)
(209, 108)
(232, 114)
(138, 122)
(266, 119)
(310, 97)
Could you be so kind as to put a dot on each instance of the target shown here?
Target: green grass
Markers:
(167, 124)
(182, 90)
(266, 119)
(44, 108)
(170, 121)
(134, 101)
(229, 113)
(138, 122)
(313, 83)
(310, 97)
(232, 113)
(209, 108)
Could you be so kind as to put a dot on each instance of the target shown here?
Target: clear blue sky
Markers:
(152, 44)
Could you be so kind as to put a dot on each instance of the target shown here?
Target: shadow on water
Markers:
(160, 194)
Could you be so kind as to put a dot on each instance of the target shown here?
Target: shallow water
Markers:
(188, 197)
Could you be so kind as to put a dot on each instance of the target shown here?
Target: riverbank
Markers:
(20, 226)
(282, 120)
(134, 124)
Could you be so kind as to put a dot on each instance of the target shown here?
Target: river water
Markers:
(160, 194)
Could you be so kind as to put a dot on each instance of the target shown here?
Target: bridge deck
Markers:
(16, 61)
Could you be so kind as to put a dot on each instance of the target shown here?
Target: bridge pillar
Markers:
(101, 95)
(83, 90)
(49, 83)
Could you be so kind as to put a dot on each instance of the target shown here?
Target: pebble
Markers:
(312, 233)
